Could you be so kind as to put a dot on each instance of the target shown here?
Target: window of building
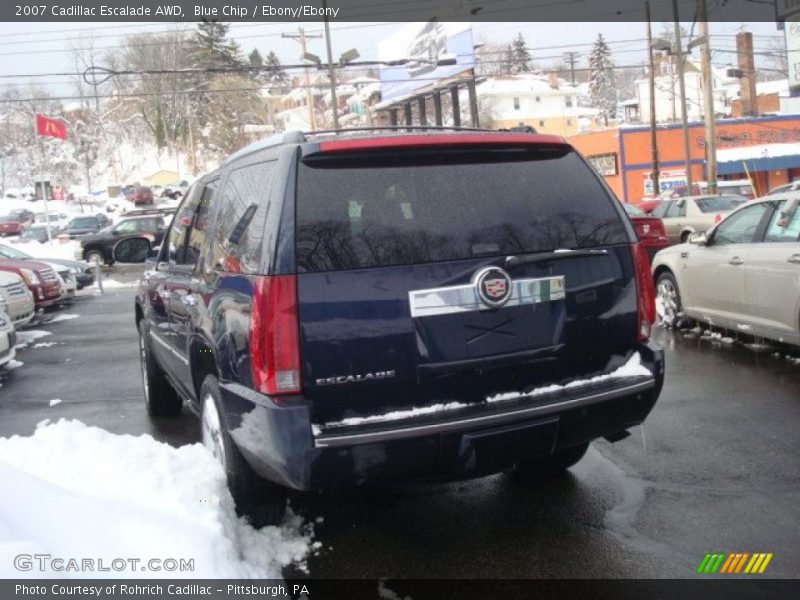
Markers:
(569, 122)
(569, 101)
(541, 123)
(516, 103)
(538, 98)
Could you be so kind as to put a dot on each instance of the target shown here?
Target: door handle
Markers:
(794, 258)
(736, 261)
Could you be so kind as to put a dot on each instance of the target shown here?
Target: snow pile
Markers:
(66, 250)
(26, 337)
(114, 284)
(633, 367)
(76, 491)
(64, 317)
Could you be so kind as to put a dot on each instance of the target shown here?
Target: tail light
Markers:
(717, 218)
(646, 294)
(275, 336)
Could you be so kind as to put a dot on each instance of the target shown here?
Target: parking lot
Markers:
(714, 468)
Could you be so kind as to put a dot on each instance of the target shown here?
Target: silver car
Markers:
(684, 216)
(743, 275)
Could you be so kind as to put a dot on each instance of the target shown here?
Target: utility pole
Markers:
(303, 38)
(331, 70)
(654, 176)
(571, 58)
(708, 97)
(682, 84)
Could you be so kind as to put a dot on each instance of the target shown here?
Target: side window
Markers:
(241, 212)
(176, 238)
(740, 228)
(661, 210)
(198, 235)
(676, 209)
(784, 226)
(126, 227)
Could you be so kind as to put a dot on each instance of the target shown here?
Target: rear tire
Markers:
(668, 300)
(160, 398)
(556, 463)
(261, 501)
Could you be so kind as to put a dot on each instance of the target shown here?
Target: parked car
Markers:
(647, 205)
(175, 190)
(83, 225)
(332, 322)
(41, 279)
(99, 247)
(37, 233)
(24, 215)
(16, 299)
(11, 225)
(684, 216)
(143, 195)
(788, 187)
(69, 285)
(743, 275)
(82, 272)
(649, 229)
(8, 339)
(736, 187)
(58, 221)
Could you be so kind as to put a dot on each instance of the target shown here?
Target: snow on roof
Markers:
(756, 152)
(776, 86)
(522, 84)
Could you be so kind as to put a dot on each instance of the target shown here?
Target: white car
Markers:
(743, 275)
(8, 339)
(16, 299)
(58, 220)
(69, 285)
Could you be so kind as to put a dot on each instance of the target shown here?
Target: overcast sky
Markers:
(29, 48)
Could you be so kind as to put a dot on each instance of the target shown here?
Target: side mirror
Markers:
(699, 239)
(132, 250)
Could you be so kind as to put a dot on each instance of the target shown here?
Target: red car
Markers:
(143, 195)
(41, 279)
(10, 225)
(649, 230)
(647, 204)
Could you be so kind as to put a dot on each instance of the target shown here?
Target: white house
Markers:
(546, 103)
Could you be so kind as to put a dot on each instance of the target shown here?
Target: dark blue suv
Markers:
(356, 307)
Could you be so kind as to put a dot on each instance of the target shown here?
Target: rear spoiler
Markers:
(442, 140)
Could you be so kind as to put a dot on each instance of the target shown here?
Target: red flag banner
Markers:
(50, 127)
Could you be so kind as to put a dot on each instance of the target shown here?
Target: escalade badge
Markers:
(493, 285)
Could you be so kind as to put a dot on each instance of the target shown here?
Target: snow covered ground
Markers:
(74, 491)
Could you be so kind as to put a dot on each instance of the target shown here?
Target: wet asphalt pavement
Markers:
(715, 468)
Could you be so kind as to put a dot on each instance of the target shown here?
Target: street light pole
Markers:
(655, 176)
(708, 98)
(331, 70)
(682, 84)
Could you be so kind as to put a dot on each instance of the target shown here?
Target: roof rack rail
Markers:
(401, 128)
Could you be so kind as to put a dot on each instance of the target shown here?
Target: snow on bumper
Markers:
(451, 440)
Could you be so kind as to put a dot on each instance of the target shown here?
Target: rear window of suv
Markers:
(410, 207)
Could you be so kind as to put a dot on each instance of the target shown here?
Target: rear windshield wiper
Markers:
(515, 261)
